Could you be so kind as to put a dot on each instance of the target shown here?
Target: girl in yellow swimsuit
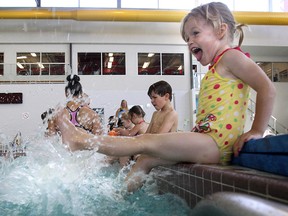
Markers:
(222, 109)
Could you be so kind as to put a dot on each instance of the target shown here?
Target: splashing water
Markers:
(50, 180)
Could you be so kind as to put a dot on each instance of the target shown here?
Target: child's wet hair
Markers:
(161, 88)
(136, 110)
(74, 86)
(215, 13)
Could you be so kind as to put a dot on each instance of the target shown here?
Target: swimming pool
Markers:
(50, 180)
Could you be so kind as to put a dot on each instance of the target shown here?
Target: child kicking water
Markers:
(209, 32)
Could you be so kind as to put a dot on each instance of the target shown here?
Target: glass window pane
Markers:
(279, 6)
(99, 3)
(1, 64)
(53, 57)
(23, 70)
(55, 69)
(1, 57)
(179, 4)
(248, 5)
(89, 63)
(172, 64)
(229, 3)
(35, 69)
(17, 3)
(113, 63)
(57, 3)
(149, 64)
(280, 72)
(139, 4)
(1, 69)
(28, 57)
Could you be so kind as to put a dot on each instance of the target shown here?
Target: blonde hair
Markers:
(125, 116)
(215, 14)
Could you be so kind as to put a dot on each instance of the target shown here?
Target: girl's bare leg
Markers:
(144, 164)
(177, 147)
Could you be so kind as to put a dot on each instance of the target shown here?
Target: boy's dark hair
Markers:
(136, 110)
(161, 88)
(74, 86)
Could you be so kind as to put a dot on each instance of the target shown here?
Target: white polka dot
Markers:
(231, 136)
(221, 108)
(222, 92)
(241, 95)
(236, 113)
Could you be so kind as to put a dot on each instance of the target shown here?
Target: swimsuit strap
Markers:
(141, 121)
(73, 118)
(217, 58)
(73, 115)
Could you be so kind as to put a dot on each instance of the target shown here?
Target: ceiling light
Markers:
(110, 54)
(151, 54)
(40, 65)
(20, 65)
(109, 65)
(180, 68)
(146, 64)
(21, 57)
(33, 54)
(111, 59)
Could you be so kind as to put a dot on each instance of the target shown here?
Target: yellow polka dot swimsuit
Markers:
(221, 110)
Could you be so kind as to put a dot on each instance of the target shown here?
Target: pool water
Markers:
(50, 180)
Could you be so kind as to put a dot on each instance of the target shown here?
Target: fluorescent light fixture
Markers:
(111, 59)
(146, 64)
(21, 57)
(40, 65)
(180, 67)
(109, 65)
(110, 54)
(20, 65)
(151, 54)
(33, 54)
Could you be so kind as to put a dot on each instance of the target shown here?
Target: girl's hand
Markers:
(243, 139)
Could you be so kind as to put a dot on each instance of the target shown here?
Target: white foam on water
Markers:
(50, 180)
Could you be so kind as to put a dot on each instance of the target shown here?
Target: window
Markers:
(160, 63)
(276, 71)
(35, 63)
(139, 4)
(114, 63)
(149, 64)
(89, 63)
(98, 3)
(173, 64)
(101, 63)
(235, 5)
(1, 64)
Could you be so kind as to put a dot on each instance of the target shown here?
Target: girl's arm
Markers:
(249, 72)
(125, 132)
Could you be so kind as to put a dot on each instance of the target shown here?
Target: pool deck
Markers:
(194, 182)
